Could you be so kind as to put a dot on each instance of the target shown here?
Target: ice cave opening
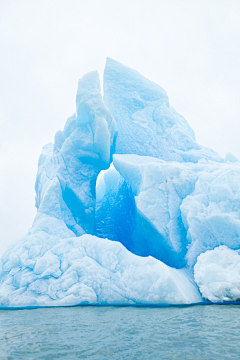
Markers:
(118, 219)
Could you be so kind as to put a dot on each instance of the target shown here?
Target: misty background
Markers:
(190, 48)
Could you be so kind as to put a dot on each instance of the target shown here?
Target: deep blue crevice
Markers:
(117, 219)
(115, 215)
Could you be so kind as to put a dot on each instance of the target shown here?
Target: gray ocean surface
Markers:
(91, 332)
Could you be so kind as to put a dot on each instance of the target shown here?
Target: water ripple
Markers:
(194, 332)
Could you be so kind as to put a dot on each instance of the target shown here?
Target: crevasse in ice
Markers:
(158, 226)
(187, 208)
(68, 169)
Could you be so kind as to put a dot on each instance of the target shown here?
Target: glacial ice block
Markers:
(217, 273)
(182, 209)
(68, 169)
(43, 270)
(147, 124)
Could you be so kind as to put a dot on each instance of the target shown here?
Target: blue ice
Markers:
(161, 225)
(147, 124)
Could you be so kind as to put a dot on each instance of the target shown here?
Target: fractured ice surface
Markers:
(147, 124)
(181, 209)
(45, 270)
(132, 232)
(217, 273)
(68, 169)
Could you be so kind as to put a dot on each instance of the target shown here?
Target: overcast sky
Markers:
(191, 48)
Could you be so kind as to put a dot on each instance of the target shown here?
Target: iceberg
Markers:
(130, 209)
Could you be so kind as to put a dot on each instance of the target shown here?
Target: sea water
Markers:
(89, 332)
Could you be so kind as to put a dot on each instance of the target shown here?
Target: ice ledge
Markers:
(88, 270)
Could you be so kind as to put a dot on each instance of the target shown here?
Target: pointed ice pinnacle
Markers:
(147, 124)
(65, 185)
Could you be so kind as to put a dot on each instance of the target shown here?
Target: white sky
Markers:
(189, 47)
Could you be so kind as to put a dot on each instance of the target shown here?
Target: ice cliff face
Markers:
(147, 124)
(179, 209)
(68, 169)
(158, 226)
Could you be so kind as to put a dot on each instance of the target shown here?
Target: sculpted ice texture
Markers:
(217, 273)
(147, 124)
(67, 170)
(43, 270)
(180, 209)
(167, 197)
(211, 213)
(52, 265)
(115, 209)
